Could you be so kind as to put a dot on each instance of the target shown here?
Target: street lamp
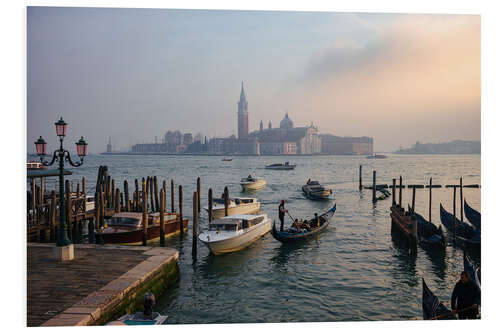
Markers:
(61, 155)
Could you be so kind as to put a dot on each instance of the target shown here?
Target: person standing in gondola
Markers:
(465, 298)
(281, 213)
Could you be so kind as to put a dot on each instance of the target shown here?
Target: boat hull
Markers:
(239, 242)
(254, 186)
(252, 208)
(316, 195)
(134, 237)
(284, 167)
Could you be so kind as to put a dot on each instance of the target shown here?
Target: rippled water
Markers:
(352, 271)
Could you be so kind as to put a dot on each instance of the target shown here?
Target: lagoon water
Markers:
(353, 271)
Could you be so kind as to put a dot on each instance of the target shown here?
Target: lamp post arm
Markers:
(68, 158)
(54, 158)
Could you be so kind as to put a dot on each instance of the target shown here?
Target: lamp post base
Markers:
(64, 253)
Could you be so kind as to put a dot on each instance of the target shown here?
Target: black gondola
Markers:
(430, 237)
(472, 215)
(432, 308)
(291, 236)
(463, 229)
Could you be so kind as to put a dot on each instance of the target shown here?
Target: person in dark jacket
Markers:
(465, 296)
(281, 213)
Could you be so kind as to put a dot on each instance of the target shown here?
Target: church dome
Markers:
(286, 122)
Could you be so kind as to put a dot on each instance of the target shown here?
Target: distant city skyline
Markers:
(133, 74)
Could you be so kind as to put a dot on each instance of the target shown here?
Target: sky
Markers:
(133, 74)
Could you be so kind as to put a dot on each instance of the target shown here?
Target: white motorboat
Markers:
(281, 166)
(252, 183)
(234, 233)
(236, 206)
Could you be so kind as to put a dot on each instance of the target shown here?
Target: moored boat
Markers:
(314, 190)
(472, 215)
(281, 166)
(473, 270)
(432, 308)
(376, 156)
(252, 183)
(292, 234)
(429, 236)
(234, 233)
(227, 159)
(236, 206)
(466, 235)
(126, 228)
(34, 165)
(146, 317)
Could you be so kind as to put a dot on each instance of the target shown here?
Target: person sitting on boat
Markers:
(249, 178)
(465, 297)
(296, 225)
(281, 213)
(305, 225)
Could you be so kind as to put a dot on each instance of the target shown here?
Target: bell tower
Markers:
(242, 115)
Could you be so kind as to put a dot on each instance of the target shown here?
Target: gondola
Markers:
(430, 237)
(289, 236)
(472, 215)
(473, 270)
(463, 229)
(432, 308)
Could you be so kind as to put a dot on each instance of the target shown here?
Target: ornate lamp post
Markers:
(61, 155)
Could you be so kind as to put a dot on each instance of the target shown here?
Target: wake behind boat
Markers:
(311, 228)
(281, 166)
(236, 206)
(234, 233)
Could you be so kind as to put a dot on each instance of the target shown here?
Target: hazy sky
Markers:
(133, 74)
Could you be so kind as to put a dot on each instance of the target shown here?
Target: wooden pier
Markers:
(99, 285)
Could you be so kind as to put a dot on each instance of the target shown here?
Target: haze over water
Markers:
(352, 271)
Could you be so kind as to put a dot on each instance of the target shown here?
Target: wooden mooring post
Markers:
(162, 217)
(413, 200)
(155, 186)
(195, 223)
(172, 195)
(136, 196)
(360, 177)
(400, 191)
(430, 200)
(210, 205)
(198, 189)
(154, 207)
(226, 201)
(117, 201)
(461, 201)
(393, 192)
(374, 190)
(454, 213)
(144, 213)
(181, 225)
(127, 198)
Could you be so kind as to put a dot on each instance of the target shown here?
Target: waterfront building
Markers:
(332, 144)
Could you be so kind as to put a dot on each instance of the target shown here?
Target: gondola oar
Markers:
(447, 314)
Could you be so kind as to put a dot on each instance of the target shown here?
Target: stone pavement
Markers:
(98, 275)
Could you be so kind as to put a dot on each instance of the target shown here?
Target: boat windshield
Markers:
(125, 221)
(225, 227)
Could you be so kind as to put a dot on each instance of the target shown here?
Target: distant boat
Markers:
(314, 190)
(292, 235)
(234, 233)
(281, 166)
(236, 206)
(432, 308)
(227, 159)
(376, 156)
(252, 183)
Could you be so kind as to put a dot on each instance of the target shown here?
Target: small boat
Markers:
(126, 228)
(466, 235)
(473, 270)
(234, 233)
(472, 215)
(432, 308)
(236, 206)
(252, 183)
(227, 159)
(314, 190)
(34, 165)
(281, 166)
(292, 235)
(429, 236)
(376, 156)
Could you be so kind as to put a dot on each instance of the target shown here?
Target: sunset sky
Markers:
(133, 74)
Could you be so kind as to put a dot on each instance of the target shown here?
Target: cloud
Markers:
(420, 64)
